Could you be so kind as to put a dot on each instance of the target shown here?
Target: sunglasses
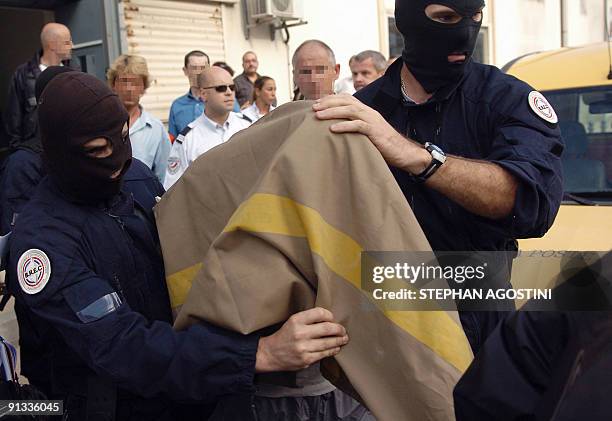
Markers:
(222, 88)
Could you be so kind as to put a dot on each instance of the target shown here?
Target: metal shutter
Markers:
(163, 32)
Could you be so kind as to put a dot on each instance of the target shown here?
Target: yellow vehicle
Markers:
(576, 81)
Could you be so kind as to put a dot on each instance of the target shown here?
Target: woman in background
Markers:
(264, 95)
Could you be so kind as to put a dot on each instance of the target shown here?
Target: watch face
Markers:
(435, 148)
(438, 155)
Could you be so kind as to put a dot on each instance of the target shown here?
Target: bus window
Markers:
(585, 120)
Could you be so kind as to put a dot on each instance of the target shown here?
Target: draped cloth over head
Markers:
(274, 221)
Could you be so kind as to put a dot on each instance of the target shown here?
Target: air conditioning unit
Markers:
(267, 10)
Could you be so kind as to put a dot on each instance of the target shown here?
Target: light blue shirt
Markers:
(150, 143)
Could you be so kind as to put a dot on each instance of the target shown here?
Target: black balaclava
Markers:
(73, 109)
(427, 44)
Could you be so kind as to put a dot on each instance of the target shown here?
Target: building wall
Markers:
(347, 30)
(585, 22)
(526, 26)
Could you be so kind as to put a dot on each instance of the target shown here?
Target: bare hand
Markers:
(304, 339)
(397, 150)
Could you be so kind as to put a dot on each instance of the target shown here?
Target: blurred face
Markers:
(219, 102)
(62, 44)
(130, 88)
(195, 66)
(250, 63)
(314, 73)
(364, 73)
(267, 94)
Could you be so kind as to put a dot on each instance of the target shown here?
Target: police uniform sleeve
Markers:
(144, 357)
(21, 175)
(177, 159)
(529, 146)
(512, 370)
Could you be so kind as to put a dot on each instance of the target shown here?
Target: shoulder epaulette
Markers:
(181, 137)
(245, 118)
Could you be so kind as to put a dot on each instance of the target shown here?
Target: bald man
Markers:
(315, 69)
(216, 125)
(20, 114)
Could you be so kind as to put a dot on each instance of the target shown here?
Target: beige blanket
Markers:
(274, 221)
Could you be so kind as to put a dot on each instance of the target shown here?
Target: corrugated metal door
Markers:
(163, 32)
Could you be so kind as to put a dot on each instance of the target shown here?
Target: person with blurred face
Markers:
(264, 96)
(315, 69)
(129, 78)
(216, 125)
(366, 67)
(20, 114)
(188, 107)
(246, 80)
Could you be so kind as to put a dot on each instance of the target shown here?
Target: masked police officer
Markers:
(476, 152)
(85, 265)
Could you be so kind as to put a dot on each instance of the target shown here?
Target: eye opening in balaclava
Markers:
(428, 44)
(74, 109)
(104, 150)
(446, 15)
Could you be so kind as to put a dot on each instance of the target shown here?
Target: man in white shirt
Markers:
(216, 125)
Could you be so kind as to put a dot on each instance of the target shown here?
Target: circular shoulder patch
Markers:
(173, 164)
(33, 271)
(542, 107)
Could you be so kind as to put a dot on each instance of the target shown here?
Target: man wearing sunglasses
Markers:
(216, 125)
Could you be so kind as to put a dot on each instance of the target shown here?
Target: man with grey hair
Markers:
(314, 69)
(366, 67)
(20, 115)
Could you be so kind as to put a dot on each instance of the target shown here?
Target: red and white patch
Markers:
(542, 107)
(33, 271)
(173, 164)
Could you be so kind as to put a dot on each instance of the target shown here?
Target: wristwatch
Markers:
(438, 157)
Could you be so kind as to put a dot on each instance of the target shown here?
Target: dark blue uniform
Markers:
(21, 173)
(485, 117)
(100, 298)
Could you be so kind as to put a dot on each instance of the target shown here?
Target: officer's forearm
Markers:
(481, 187)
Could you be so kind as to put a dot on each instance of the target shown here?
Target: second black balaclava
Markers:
(427, 44)
(75, 108)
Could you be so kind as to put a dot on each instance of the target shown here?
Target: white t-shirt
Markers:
(204, 134)
(253, 113)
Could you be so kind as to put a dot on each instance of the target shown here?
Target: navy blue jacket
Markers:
(486, 117)
(23, 170)
(21, 173)
(111, 257)
(537, 366)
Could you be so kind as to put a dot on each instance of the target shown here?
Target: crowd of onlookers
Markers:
(217, 104)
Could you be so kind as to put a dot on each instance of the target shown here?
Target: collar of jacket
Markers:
(33, 64)
(389, 95)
